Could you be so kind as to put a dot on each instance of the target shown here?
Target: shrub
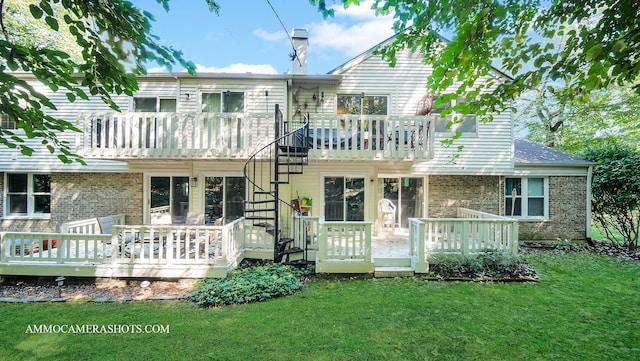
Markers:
(250, 284)
(616, 191)
(487, 264)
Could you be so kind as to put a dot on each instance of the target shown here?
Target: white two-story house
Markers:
(358, 145)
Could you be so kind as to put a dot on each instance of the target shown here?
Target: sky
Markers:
(247, 36)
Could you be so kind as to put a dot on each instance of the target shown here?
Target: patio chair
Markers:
(386, 214)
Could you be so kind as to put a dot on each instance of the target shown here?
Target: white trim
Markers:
(589, 195)
(367, 189)
(524, 199)
(31, 214)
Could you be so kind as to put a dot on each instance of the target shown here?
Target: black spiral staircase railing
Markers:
(265, 171)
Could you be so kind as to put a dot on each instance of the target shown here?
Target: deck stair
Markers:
(265, 171)
(391, 267)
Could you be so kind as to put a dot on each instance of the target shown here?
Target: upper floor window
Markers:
(362, 104)
(7, 124)
(225, 102)
(465, 124)
(526, 197)
(154, 104)
(27, 194)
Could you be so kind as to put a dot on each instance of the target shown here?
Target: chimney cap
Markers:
(300, 33)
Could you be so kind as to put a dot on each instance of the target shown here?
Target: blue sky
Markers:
(247, 36)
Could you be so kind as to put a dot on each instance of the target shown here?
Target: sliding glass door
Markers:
(169, 199)
(407, 194)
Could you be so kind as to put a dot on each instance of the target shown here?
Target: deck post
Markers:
(464, 238)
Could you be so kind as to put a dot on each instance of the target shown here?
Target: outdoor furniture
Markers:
(386, 214)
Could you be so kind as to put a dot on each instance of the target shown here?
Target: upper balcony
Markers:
(124, 136)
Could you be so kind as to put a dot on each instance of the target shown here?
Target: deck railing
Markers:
(238, 135)
(346, 136)
(476, 232)
(173, 135)
(344, 241)
(126, 248)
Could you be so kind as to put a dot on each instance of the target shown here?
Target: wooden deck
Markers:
(159, 251)
(125, 136)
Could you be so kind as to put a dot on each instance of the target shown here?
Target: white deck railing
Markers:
(173, 135)
(127, 247)
(346, 136)
(477, 232)
(344, 241)
(238, 135)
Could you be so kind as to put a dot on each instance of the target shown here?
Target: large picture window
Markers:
(526, 197)
(225, 102)
(27, 194)
(343, 199)
(357, 104)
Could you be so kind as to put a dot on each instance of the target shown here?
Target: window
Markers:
(226, 102)
(154, 104)
(465, 124)
(343, 199)
(531, 197)
(224, 198)
(27, 194)
(7, 124)
(359, 104)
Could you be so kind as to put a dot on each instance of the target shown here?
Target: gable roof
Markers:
(369, 53)
(530, 153)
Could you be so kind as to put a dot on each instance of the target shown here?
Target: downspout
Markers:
(589, 195)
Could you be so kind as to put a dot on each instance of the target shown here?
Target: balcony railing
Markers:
(238, 135)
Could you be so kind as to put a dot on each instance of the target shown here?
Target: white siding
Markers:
(490, 152)
(42, 160)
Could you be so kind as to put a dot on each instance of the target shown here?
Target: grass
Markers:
(585, 307)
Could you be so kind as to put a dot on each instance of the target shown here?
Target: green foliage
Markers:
(583, 46)
(616, 190)
(488, 264)
(611, 114)
(108, 35)
(252, 284)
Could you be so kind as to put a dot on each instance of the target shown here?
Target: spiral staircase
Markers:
(266, 171)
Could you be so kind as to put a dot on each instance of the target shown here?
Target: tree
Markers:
(600, 46)
(114, 40)
(616, 190)
(609, 115)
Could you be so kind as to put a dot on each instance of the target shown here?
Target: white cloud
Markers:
(352, 31)
(157, 69)
(238, 68)
(265, 35)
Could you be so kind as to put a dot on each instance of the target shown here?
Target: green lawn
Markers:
(585, 307)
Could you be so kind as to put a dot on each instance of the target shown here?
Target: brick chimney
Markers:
(300, 40)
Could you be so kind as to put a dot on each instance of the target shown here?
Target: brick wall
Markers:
(567, 204)
(567, 212)
(77, 196)
(448, 192)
